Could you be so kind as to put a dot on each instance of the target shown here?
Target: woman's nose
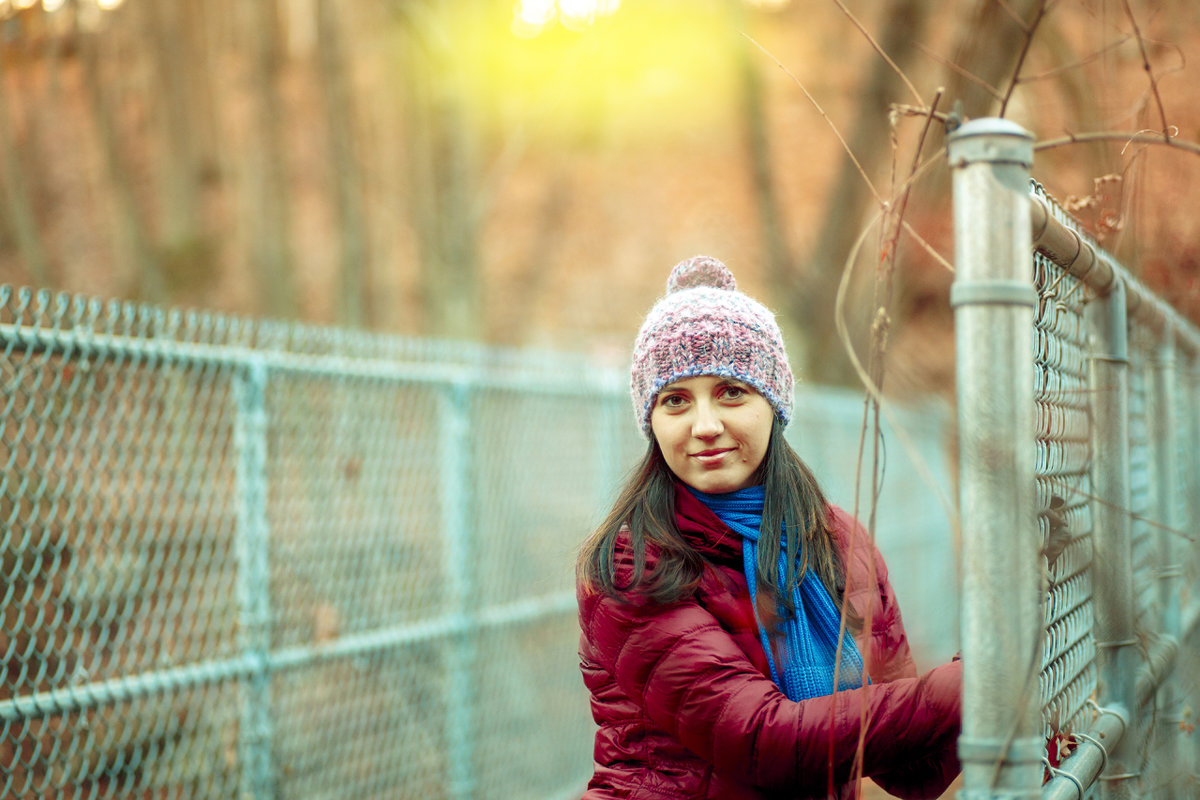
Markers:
(707, 423)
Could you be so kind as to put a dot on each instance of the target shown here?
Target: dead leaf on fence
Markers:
(326, 622)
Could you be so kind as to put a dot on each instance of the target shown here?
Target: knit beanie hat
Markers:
(705, 326)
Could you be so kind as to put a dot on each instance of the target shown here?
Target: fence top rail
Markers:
(1098, 270)
(79, 326)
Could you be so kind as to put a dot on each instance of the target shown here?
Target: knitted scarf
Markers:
(809, 643)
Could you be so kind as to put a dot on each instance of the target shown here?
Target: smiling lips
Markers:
(711, 457)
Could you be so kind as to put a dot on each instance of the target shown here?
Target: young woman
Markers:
(740, 638)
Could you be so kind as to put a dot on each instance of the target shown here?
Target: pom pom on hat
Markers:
(704, 326)
(701, 271)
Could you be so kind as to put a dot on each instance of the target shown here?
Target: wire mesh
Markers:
(1145, 553)
(1163, 469)
(1062, 469)
(255, 559)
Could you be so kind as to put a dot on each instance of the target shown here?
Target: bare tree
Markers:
(806, 292)
(270, 209)
(130, 217)
(177, 53)
(20, 220)
(443, 163)
(347, 172)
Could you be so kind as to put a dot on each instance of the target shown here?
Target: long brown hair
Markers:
(646, 507)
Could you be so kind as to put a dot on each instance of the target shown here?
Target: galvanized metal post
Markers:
(1117, 656)
(253, 581)
(1164, 480)
(1191, 559)
(459, 558)
(993, 297)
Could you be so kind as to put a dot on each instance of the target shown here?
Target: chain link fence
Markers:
(1107, 540)
(253, 560)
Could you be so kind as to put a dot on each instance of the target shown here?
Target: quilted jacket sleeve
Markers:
(695, 683)
(931, 771)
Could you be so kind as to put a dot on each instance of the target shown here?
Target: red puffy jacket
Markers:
(687, 709)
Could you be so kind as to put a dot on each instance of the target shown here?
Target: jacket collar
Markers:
(704, 530)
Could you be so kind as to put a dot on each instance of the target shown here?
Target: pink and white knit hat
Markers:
(705, 326)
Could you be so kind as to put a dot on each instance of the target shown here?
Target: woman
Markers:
(740, 638)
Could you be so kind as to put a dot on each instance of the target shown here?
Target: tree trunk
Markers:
(444, 177)
(989, 41)
(270, 229)
(20, 221)
(170, 59)
(347, 173)
(780, 266)
(850, 199)
(130, 220)
(177, 53)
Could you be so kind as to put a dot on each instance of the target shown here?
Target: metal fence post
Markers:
(1190, 620)
(994, 301)
(1162, 423)
(253, 580)
(1113, 564)
(459, 557)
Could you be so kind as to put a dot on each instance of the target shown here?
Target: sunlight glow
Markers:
(52, 6)
(531, 17)
(588, 73)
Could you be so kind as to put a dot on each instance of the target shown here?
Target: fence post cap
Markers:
(990, 139)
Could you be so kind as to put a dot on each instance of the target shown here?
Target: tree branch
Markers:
(1030, 30)
(992, 90)
(875, 45)
(1137, 32)
(821, 111)
(1128, 138)
(1052, 73)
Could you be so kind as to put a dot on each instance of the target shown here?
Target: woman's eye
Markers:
(673, 401)
(733, 393)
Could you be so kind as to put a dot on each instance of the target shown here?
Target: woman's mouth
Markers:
(711, 456)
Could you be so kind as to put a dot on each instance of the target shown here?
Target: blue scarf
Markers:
(810, 636)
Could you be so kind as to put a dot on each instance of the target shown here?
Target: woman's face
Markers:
(713, 431)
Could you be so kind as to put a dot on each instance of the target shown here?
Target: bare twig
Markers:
(872, 375)
(916, 163)
(942, 117)
(883, 294)
(1162, 114)
(929, 249)
(992, 90)
(894, 223)
(1014, 16)
(919, 111)
(1127, 138)
(1030, 30)
(875, 45)
(821, 111)
(1133, 515)
(843, 331)
(1053, 73)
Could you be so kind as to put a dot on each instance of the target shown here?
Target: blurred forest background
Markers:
(525, 172)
